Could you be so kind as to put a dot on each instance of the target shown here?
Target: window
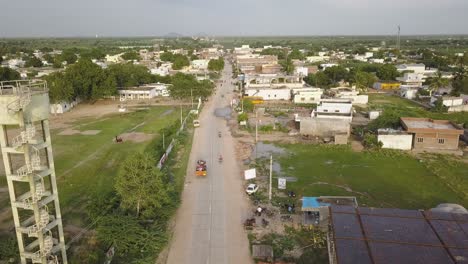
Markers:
(337, 111)
(420, 140)
(325, 110)
(302, 98)
(441, 140)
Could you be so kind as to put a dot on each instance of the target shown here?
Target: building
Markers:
(334, 109)
(433, 135)
(331, 118)
(389, 236)
(273, 81)
(412, 79)
(270, 69)
(147, 91)
(301, 71)
(200, 64)
(351, 94)
(395, 139)
(408, 92)
(386, 85)
(448, 101)
(267, 93)
(314, 59)
(416, 68)
(114, 58)
(308, 95)
(255, 60)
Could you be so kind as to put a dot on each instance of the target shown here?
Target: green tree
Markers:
(436, 82)
(387, 72)
(7, 74)
(439, 106)
(131, 55)
(131, 239)
(287, 65)
(296, 55)
(216, 65)
(140, 185)
(320, 79)
(129, 74)
(167, 56)
(69, 56)
(364, 80)
(180, 61)
(86, 79)
(59, 89)
(184, 84)
(49, 58)
(336, 73)
(33, 62)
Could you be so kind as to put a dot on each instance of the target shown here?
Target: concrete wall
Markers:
(431, 141)
(403, 142)
(459, 108)
(270, 94)
(324, 127)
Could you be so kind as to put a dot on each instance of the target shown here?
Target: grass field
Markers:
(380, 178)
(86, 165)
(406, 108)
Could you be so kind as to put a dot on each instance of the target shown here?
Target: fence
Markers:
(171, 145)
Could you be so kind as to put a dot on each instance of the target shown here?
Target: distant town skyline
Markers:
(106, 18)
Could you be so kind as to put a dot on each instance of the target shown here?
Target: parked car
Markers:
(252, 188)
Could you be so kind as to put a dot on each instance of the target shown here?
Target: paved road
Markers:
(209, 222)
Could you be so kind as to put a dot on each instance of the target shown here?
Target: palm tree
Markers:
(437, 82)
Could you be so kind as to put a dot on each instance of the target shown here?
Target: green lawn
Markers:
(406, 108)
(380, 179)
(86, 165)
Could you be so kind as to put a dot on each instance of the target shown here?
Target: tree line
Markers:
(88, 81)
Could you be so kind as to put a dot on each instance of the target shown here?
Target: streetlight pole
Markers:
(271, 172)
(191, 96)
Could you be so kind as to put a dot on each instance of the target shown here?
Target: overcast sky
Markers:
(56, 18)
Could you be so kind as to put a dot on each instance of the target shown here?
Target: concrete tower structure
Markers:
(29, 168)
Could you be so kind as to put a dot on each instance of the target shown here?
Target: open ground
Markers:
(87, 158)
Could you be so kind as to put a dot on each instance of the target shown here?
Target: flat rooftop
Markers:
(419, 124)
(383, 235)
(310, 203)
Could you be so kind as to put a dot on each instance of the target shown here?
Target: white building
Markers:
(147, 91)
(408, 92)
(114, 58)
(416, 68)
(352, 95)
(368, 55)
(448, 101)
(313, 59)
(162, 70)
(412, 79)
(327, 65)
(376, 60)
(200, 64)
(301, 71)
(269, 93)
(334, 109)
(15, 63)
(310, 95)
(395, 139)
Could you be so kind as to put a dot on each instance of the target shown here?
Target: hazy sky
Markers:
(54, 18)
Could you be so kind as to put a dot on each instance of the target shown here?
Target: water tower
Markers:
(29, 168)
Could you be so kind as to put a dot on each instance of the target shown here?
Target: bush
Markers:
(242, 117)
(370, 141)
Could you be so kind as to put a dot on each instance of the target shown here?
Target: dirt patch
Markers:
(357, 146)
(70, 132)
(137, 137)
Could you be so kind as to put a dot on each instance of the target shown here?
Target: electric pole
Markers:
(271, 174)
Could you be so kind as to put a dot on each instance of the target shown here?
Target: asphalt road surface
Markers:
(209, 222)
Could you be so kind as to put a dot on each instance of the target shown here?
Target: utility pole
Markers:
(398, 38)
(191, 96)
(271, 173)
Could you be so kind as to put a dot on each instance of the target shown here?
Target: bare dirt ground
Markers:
(71, 131)
(136, 137)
